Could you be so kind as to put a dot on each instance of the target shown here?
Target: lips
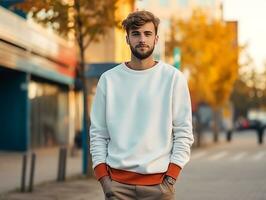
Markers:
(142, 46)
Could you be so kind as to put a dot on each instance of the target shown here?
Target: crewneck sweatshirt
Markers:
(141, 124)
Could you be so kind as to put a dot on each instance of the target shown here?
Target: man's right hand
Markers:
(106, 183)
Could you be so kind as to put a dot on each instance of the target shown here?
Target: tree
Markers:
(209, 51)
(87, 20)
(249, 90)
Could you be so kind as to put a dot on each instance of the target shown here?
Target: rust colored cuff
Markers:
(101, 171)
(173, 170)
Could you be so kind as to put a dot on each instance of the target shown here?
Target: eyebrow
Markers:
(139, 32)
(134, 31)
(148, 32)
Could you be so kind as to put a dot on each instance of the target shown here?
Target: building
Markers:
(37, 75)
(113, 46)
(40, 106)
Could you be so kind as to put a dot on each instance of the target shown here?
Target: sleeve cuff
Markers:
(101, 171)
(173, 170)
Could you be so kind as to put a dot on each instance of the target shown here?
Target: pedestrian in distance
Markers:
(141, 121)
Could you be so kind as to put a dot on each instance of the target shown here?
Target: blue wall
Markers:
(9, 4)
(14, 110)
(97, 69)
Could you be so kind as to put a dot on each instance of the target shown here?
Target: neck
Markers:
(138, 64)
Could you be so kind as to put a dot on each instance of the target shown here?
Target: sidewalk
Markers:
(46, 167)
(75, 189)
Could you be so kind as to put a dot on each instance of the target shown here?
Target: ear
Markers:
(156, 39)
(127, 39)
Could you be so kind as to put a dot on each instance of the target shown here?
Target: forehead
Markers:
(146, 27)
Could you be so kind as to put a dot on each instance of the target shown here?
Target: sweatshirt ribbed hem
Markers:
(101, 171)
(133, 178)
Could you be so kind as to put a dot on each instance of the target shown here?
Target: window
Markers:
(164, 3)
(141, 4)
(183, 3)
(49, 114)
(206, 3)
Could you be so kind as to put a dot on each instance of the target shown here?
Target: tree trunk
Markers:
(198, 130)
(87, 160)
(86, 137)
(216, 126)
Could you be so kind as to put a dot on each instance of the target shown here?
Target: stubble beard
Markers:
(139, 55)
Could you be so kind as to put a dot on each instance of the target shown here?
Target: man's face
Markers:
(142, 40)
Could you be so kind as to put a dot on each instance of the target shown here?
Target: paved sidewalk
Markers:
(79, 189)
(46, 167)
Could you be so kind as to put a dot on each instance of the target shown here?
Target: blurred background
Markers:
(53, 52)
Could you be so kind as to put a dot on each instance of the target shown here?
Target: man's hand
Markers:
(169, 180)
(106, 183)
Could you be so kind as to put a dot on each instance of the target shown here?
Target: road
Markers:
(235, 171)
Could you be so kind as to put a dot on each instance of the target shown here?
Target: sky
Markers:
(251, 16)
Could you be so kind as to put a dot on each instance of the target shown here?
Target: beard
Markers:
(140, 55)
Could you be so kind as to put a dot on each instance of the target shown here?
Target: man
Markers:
(141, 127)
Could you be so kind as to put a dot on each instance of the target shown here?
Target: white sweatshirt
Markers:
(141, 119)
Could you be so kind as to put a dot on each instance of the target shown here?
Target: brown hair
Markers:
(138, 18)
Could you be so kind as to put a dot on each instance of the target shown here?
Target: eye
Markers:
(148, 33)
(135, 33)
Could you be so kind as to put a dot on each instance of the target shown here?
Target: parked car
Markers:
(247, 124)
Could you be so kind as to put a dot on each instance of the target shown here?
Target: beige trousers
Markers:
(163, 191)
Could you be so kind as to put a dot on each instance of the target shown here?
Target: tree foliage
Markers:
(249, 90)
(87, 19)
(209, 51)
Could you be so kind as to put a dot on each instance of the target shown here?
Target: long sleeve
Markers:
(182, 122)
(99, 136)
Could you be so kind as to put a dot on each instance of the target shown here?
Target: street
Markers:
(228, 171)
(233, 171)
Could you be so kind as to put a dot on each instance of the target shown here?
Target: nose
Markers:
(142, 38)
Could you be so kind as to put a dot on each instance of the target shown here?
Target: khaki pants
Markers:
(163, 191)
